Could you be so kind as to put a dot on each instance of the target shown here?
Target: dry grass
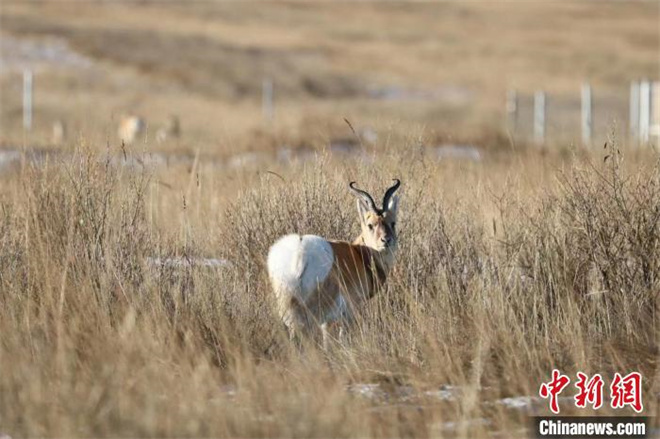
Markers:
(498, 280)
(529, 260)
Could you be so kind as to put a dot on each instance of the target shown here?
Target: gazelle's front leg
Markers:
(333, 327)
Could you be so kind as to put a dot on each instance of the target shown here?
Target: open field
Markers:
(506, 269)
(445, 67)
(134, 299)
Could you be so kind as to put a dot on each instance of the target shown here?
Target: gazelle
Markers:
(318, 282)
(130, 128)
(59, 132)
(171, 131)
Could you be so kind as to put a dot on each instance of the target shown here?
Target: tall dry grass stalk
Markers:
(96, 341)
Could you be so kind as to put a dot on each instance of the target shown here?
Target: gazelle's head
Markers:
(378, 225)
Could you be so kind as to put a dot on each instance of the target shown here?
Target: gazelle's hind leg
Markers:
(294, 316)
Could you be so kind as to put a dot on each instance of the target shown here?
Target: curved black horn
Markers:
(364, 195)
(390, 192)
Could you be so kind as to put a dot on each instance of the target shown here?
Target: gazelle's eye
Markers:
(371, 226)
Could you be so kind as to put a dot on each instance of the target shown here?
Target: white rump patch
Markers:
(297, 265)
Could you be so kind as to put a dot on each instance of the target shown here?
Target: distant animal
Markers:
(368, 134)
(320, 283)
(171, 131)
(59, 132)
(130, 128)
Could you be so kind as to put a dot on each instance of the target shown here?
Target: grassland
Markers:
(206, 62)
(113, 324)
(505, 270)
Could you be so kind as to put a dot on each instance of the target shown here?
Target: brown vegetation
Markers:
(497, 281)
(452, 62)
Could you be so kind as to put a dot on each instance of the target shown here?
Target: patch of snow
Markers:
(187, 262)
(369, 135)
(466, 152)
(8, 157)
(367, 390)
(245, 159)
(455, 425)
(289, 155)
(19, 54)
(403, 393)
(518, 402)
(136, 162)
(229, 390)
(343, 146)
(445, 393)
(445, 93)
(529, 402)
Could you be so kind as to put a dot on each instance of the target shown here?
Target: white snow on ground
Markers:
(445, 393)
(518, 402)
(187, 262)
(403, 393)
(450, 94)
(7, 157)
(463, 152)
(18, 54)
(157, 160)
(370, 391)
(455, 425)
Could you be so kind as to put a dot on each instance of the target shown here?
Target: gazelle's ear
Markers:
(393, 205)
(362, 209)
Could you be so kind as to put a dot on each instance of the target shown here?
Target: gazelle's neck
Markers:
(358, 241)
(385, 257)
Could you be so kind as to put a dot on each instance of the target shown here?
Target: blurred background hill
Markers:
(443, 68)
